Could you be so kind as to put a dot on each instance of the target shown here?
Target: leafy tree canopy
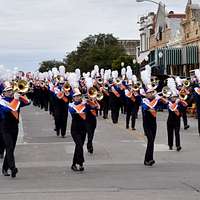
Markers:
(99, 50)
(49, 64)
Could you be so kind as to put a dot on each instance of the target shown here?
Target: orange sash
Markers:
(151, 105)
(14, 104)
(153, 112)
(173, 107)
(15, 114)
(79, 109)
(115, 92)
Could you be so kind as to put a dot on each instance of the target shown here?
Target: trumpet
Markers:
(66, 87)
(21, 86)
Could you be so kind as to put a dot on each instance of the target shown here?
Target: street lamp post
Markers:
(139, 1)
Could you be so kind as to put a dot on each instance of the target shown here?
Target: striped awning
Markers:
(190, 55)
(176, 56)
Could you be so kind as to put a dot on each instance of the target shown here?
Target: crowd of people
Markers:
(89, 95)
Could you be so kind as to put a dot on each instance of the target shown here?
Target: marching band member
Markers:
(10, 105)
(175, 105)
(106, 95)
(2, 145)
(196, 95)
(183, 85)
(132, 100)
(78, 129)
(62, 98)
(92, 107)
(115, 100)
(149, 110)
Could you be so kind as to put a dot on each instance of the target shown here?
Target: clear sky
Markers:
(35, 30)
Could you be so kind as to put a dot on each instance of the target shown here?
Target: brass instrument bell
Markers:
(183, 96)
(21, 86)
(118, 81)
(137, 86)
(100, 81)
(166, 92)
(186, 83)
(92, 92)
(66, 87)
(99, 96)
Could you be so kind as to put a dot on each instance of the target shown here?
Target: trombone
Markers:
(94, 94)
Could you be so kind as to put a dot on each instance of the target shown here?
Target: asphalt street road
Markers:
(114, 171)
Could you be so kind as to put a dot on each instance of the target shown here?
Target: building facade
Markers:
(192, 38)
(146, 29)
(130, 46)
(172, 47)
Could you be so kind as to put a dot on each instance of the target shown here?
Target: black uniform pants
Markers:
(79, 139)
(130, 114)
(199, 124)
(173, 128)
(105, 107)
(90, 127)
(184, 116)
(61, 122)
(115, 113)
(2, 144)
(150, 133)
(10, 138)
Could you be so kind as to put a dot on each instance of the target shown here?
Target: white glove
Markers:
(16, 95)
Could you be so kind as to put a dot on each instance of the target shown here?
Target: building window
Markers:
(197, 32)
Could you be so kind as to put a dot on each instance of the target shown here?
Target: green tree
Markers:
(99, 50)
(127, 61)
(49, 64)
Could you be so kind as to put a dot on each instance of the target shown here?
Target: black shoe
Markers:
(81, 169)
(90, 150)
(149, 163)
(152, 162)
(74, 168)
(5, 172)
(14, 172)
(63, 136)
(133, 129)
(178, 148)
(105, 117)
(1, 156)
(170, 148)
(186, 127)
(57, 133)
